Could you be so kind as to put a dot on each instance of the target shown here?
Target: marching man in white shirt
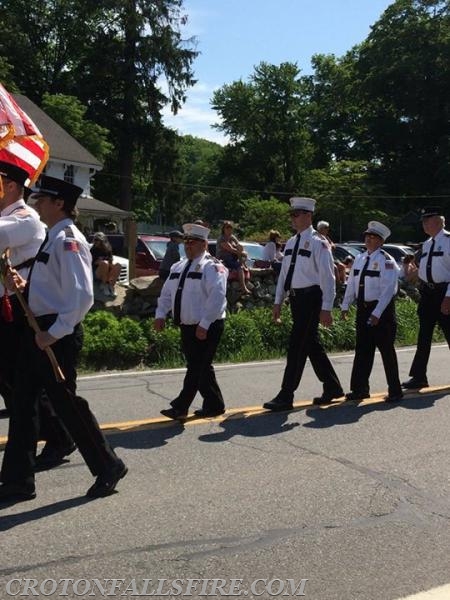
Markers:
(434, 305)
(373, 283)
(60, 293)
(307, 275)
(195, 293)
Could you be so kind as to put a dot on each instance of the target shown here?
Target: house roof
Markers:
(62, 145)
(89, 205)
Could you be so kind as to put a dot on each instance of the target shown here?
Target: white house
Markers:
(70, 161)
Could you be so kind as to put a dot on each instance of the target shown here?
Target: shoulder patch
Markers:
(220, 268)
(389, 265)
(71, 245)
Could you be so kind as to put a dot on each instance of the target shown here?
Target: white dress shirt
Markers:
(380, 282)
(440, 261)
(203, 300)
(61, 279)
(22, 231)
(314, 266)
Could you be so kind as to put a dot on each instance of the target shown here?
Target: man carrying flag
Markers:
(23, 155)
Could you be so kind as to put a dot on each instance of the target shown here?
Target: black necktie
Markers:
(429, 259)
(177, 304)
(287, 283)
(26, 290)
(362, 276)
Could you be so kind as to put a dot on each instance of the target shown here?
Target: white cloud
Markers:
(196, 116)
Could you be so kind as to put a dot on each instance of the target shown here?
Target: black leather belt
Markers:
(371, 304)
(299, 291)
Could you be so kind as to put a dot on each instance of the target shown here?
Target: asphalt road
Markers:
(355, 499)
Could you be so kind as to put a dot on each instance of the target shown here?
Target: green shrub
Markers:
(241, 339)
(274, 336)
(110, 342)
(249, 335)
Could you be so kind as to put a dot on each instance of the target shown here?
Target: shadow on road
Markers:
(344, 414)
(10, 521)
(145, 438)
(250, 426)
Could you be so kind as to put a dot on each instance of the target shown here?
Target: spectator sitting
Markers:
(172, 254)
(272, 251)
(105, 271)
(232, 254)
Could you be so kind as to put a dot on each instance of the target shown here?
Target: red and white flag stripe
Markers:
(21, 142)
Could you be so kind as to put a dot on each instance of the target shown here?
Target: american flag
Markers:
(21, 142)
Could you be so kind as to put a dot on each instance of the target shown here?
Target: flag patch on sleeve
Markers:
(71, 246)
(389, 265)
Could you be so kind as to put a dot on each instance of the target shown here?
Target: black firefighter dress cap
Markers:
(57, 188)
(13, 172)
(430, 211)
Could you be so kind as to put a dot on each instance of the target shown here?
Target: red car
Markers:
(150, 250)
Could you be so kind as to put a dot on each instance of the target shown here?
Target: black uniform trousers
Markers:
(200, 375)
(429, 312)
(51, 428)
(304, 342)
(9, 345)
(33, 373)
(370, 337)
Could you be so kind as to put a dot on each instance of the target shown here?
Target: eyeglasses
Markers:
(300, 211)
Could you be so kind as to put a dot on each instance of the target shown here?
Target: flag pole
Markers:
(59, 375)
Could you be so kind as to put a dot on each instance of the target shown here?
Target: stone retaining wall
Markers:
(141, 296)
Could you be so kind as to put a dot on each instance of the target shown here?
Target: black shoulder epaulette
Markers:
(69, 232)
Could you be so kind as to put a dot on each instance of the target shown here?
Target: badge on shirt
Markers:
(71, 246)
(306, 245)
(197, 268)
(375, 265)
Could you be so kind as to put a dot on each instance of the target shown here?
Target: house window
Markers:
(69, 173)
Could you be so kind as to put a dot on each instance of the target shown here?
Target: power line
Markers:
(288, 194)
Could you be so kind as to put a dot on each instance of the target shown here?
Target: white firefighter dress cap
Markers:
(196, 231)
(302, 204)
(379, 229)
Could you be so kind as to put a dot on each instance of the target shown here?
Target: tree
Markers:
(402, 78)
(266, 122)
(116, 56)
(68, 112)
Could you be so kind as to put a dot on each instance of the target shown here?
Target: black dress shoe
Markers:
(209, 413)
(415, 384)
(52, 456)
(391, 399)
(356, 396)
(105, 484)
(327, 398)
(174, 413)
(278, 404)
(17, 492)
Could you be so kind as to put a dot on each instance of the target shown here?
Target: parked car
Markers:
(150, 250)
(341, 251)
(124, 275)
(253, 249)
(397, 251)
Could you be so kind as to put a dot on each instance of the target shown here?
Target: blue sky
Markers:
(233, 36)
